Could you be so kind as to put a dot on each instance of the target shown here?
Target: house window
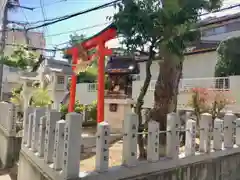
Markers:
(220, 30)
(28, 41)
(12, 69)
(214, 31)
(222, 83)
(60, 79)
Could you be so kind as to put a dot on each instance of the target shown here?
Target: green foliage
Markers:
(79, 108)
(74, 40)
(20, 58)
(41, 98)
(92, 109)
(228, 58)
(89, 76)
(170, 23)
(16, 98)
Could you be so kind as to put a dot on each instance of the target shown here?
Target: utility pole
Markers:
(2, 44)
(4, 22)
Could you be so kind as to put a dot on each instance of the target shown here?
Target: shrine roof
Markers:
(122, 64)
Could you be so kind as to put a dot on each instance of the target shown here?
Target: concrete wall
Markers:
(209, 167)
(200, 65)
(220, 169)
(194, 66)
(9, 149)
(154, 70)
(85, 94)
(204, 167)
(10, 144)
(29, 171)
(55, 153)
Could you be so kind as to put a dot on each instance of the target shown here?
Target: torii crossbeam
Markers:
(97, 41)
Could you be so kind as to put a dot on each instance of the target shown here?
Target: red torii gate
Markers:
(97, 41)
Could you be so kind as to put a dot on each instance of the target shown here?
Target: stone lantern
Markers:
(58, 73)
(28, 78)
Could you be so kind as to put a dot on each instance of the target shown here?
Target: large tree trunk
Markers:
(166, 91)
(2, 45)
(140, 102)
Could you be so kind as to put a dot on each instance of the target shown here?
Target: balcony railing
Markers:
(221, 83)
(216, 83)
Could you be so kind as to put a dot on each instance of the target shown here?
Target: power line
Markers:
(32, 47)
(98, 25)
(57, 18)
(102, 24)
(77, 30)
(75, 14)
(49, 4)
(43, 13)
(24, 14)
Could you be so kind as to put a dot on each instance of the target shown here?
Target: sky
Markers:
(58, 8)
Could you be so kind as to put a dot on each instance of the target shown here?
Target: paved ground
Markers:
(5, 177)
(9, 174)
(115, 157)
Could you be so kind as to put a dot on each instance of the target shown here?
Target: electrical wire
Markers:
(98, 25)
(44, 15)
(203, 14)
(32, 47)
(77, 30)
(76, 14)
(50, 4)
(24, 14)
(56, 18)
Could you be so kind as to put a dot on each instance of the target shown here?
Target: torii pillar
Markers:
(97, 42)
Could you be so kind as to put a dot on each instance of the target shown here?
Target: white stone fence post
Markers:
(57, 142)
(53, 141)
(8, 118)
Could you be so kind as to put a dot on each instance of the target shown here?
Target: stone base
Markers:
(115, 111)
(9, 150)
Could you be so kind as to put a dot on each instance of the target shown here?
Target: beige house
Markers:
(14, 38)
(196, 58)
(198, 67)
(18, 37)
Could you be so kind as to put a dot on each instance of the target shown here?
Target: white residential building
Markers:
(14, 38)
(18, 37)
(198, 67)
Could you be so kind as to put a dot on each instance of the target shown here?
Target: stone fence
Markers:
(52, 147)
(10, 144)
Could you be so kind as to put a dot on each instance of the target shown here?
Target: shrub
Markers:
(209, 101)
(79, 108)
